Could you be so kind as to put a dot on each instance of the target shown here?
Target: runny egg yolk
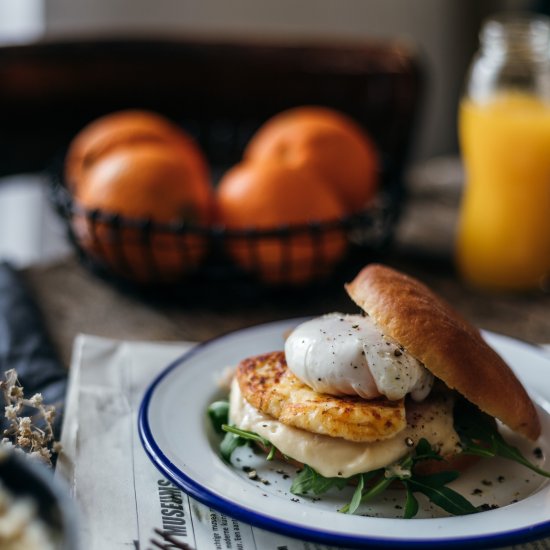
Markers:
(343, 354)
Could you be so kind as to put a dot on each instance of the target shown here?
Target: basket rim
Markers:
(67, 205)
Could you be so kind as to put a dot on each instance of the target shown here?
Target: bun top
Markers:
(449, 347)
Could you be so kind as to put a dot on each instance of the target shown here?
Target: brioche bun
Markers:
(449, 347)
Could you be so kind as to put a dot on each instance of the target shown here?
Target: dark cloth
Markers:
(25, 345)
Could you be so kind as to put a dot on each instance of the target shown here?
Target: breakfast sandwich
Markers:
(405, 385)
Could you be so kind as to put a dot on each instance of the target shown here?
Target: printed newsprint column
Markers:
(161, 504)
(122, 497)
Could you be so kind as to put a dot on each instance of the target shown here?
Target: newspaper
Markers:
(121, 495)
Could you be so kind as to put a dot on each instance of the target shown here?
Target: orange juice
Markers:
(504, 229)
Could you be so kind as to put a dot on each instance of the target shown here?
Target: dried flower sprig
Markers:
(32, 434)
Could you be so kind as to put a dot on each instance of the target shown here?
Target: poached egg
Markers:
(343, 354)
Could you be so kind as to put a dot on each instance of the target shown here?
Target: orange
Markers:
(328, 141)
(125, 129)
(267, 195)
(145, 181)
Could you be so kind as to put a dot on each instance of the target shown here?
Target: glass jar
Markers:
(503, 238)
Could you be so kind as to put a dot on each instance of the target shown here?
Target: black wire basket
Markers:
(142, 253)
(220, 93)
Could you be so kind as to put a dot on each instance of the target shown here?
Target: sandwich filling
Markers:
(335, 400)
(336, 457)
(268, 384)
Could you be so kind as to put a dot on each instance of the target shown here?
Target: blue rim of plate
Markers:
(224, 505)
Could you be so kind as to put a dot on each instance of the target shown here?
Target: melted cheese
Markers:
(332, 457)
(343, 354)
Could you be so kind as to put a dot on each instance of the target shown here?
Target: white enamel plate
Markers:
(178, 438)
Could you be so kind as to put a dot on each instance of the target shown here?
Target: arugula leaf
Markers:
(304, 481)
(373, 491)
(442, 496)
(229, 443)
(309, 481)
(498, 446)
(357, 495)
(218, 412)
(411, 504)
(245, 434)
(433, 486)
(441, 478)
(424, 451)
(480, 437)
(236, 437)
(271, 454)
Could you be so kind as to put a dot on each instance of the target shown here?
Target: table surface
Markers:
(74, 301)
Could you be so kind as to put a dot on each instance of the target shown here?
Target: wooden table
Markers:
(74, 300)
